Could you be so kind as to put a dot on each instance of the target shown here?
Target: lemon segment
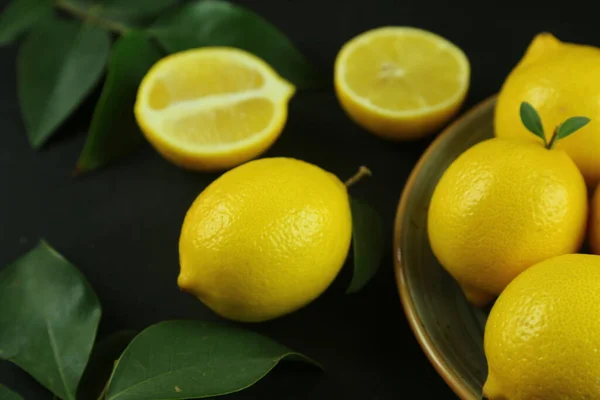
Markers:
(401, 82)
(212, 108)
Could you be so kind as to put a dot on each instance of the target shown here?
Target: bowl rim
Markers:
(428, 346)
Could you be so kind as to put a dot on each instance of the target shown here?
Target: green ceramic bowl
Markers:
(448, 328)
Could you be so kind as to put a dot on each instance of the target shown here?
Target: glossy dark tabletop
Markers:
(120, 225)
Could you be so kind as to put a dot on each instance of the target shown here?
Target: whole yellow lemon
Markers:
(502, 206)
(560, 80)
(265, 239)
(542, 337)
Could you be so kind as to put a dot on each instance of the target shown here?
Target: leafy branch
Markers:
(91, 16)
(61, 60)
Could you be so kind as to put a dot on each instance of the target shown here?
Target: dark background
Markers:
(120, 226)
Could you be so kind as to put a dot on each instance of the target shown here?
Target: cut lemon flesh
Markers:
(212, 108)
(401, 82)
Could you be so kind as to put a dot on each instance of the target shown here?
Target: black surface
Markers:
(120, 226)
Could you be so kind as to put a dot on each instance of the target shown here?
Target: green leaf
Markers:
(193, 359)
(58, 65)
(367, 242)
(135, 9)
(571, 125)
(114, 131)
(20, 16)
(49, 319)
(7, 394)
(120, 11)
(532, 121)
(220, 23)
(101, 364)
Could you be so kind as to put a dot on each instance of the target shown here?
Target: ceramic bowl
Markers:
(448, 328)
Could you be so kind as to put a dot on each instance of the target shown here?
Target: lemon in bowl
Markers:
(501, 207)
(543, 333)
(559, 79)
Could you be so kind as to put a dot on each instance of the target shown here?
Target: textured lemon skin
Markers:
(265, 239)
(542, 338)
(560, 80)
(501, 207)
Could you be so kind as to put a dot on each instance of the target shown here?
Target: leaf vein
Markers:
(55, 352)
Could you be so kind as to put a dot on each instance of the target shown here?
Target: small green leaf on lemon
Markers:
(570, 126)
(531, 120)
(102, 361)
(19, 16)
(193, 359)
(221, 23)
(114, 131)
(74, 56)
(367, 243)
(49, 319)
(7, 394)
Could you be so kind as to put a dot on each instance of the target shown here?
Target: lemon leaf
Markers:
(570, 126)
(114, 132)
(220, 23)
(193, 359)
(58, 65)
(105, 354)
(7, 394)
(129, 12)
(367, 243)
(531, 120)
(20, 16)
(49, 319)
(135, 8)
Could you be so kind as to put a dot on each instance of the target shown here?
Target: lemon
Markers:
(542, 337)
(265, 239)
(560, 80)
(212, 108)
(502, 206)
(401, 82)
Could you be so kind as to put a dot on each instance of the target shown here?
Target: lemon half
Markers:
(212, 108)
(401, 82)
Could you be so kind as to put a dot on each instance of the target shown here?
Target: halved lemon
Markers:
(401, 82)
(212, 108)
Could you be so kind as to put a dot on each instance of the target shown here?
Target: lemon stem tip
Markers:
(362, 172)
(550, 145)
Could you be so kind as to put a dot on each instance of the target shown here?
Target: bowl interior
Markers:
(449, 329)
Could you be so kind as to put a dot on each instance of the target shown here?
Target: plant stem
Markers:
(90, 15)
(553, 140)
(102, 395)
(362, 172)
